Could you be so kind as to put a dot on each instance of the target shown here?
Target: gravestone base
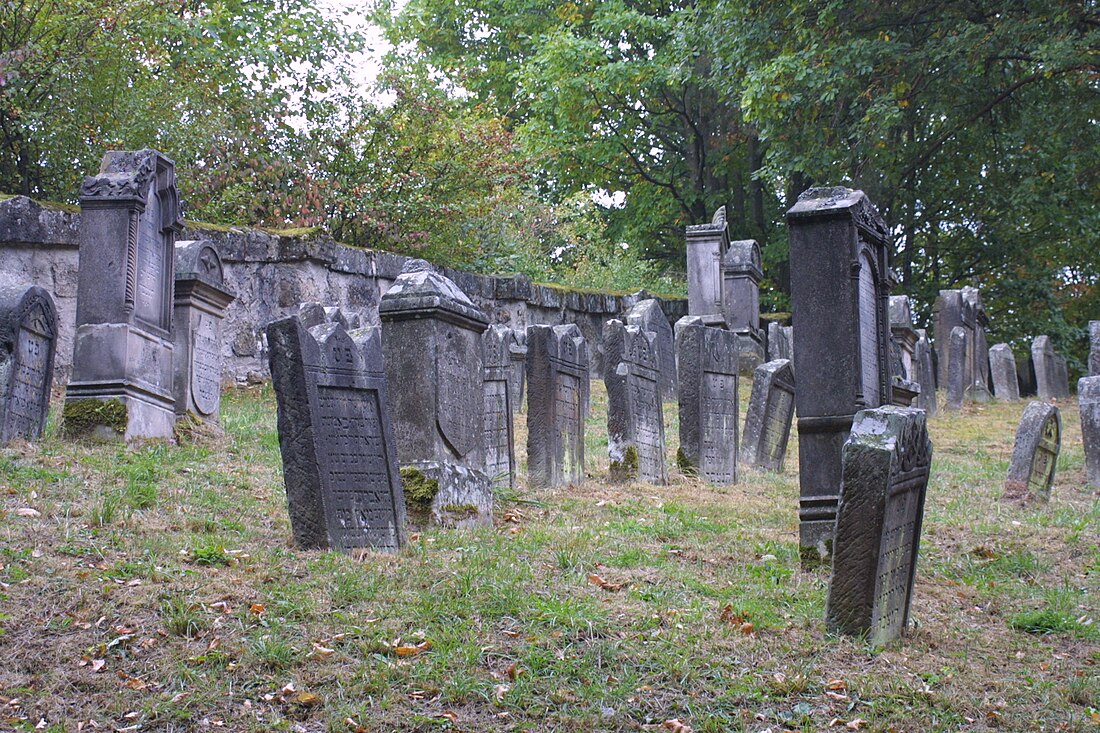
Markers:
(750, 353)
(119, 363)
(815, 537)
(447, 495)
(903, 392)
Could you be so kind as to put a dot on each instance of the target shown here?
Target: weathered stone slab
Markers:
(1061, 376)
(1094, 348)
(447, 495)
(1042, 357)
(887, 459)
(647, 315)
(1035, 454)
(635, 422)
(431, 336)
(336, 438)
(499, 440)
(768, 421)
(557, 392)
(123, 368)
(977, 322)
(706, 245)
(957, 372)
(28, 342)
(1002, 369)
(839, 269)
(1025, 374)
(517, 352)
(200, 301)
(1088, 400)
(709, 370)
(926, 374)
(780, 342)
(741, 274)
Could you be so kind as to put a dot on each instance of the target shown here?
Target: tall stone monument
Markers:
(635, 422)
(963, 308)
(741, 274)
(706, 246)
(887, 459)
(648, 316)
(200, 300)
(499, 440)
(979, 345)
(1088, 400)
(28, 341)
(1094, 348)
(839, 291)
(123, 369)
(557, 392)
(339, 458)
(708, 403)
(1035, 454)
(1002, 370)
(768, 421)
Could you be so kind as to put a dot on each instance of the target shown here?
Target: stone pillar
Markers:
(741, 275)
(839, 291)
(978, 355)
(1088, 400)
(1094, 348)
(199, 310)
(123, 368)
(499, 440)
(926, 374)
(946, 315)
(28, 342)
(517, 352)
(1002, 369)
(706, 245)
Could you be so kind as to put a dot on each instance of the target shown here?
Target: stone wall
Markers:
(272, 272)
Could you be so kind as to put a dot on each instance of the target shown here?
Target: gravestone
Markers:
(517, 354)
(123, 368)
(499, 440)
(887, 459)
(957, 373)
(963, 309)
(28, 342)
(1088, 400)
(336, 438)
(1035, 454)
(635, 423)
(557, 391)
(708, 403)
(904, 335)
(1025, 375)
(977, 324)
(1042, 357)
(200, 300)
(1094, 348)
(431, 337)
(1061, 376)
(780, 341)
(768, 421)
(1002, 369)
(706, 245)
(947, 314)
(839, 249)
(926, 374)
(447, 494)
(647, 315)
(741, 275)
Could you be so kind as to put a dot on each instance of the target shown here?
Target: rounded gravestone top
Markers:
(198, 259)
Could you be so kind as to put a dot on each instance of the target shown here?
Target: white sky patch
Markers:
(609, 199)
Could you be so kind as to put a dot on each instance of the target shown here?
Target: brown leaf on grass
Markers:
(355, 726)
(306, 699)
(499, 691)
(597, 580)
(676, 726)
(98, 665)
(321, 652)
(26, 511)
(836, 696)
(513, 671)
(732, 617)
(836, 685)
(449, 715)
(855, 723)
(257, 609)
(748, 629)
(403, 650)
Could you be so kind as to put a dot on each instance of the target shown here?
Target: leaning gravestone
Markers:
(957, 371)
(1094, 348)
(200, 302)
(1002, 369)
(1035, 454)
(499, 440)
(123, 372)
(887, 459)
(339, 458)
(1042, 356)
(926, 374)
(648, 316)
(708, 403)
(557, 392)
(1088, 400)
(839, 285)
(635, 422)
(768, 422)
(28, 340)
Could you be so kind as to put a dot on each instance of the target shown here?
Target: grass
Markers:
(159, 587)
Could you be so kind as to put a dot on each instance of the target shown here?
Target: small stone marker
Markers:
(957, 371)
(1094, 348)
(517, 351)
(1088, 400)
(647, 315)
(926, 374)
(887, 459)
(557, 392)
(635, 423)
(500, 452)
(709, 368)
(28, 341)
(123, 367)
(768, 421)
(1042, 356)
(1002, 369)
(200, 302)
(339, 457)
(1035, 455)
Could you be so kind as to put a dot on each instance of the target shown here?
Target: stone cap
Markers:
(901, 312)
(717, 226)
(421, 292)
(838, 201)
(199, 260)
(743, 256)
(1088, 390)
(126, 175)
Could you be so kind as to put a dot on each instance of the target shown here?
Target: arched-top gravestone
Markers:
(28, 341)
(708, 402)
(768, 421)
(1035, 454)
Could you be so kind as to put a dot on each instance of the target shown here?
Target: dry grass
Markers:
(157, 590)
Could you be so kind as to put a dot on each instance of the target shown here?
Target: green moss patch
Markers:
(94, 418)
(419, 492)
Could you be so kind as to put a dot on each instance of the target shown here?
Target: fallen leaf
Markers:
(513, 671)
(98, 665)
(597, 580)
(449, 715)
(747, 628)
(836, 685)
(836, 696)
(257, 609)
(321, 652)
(676, 726)
(409, 651)
(26, 511)
(306, 699)
(855, 723)
(499, 691)
(729, 616)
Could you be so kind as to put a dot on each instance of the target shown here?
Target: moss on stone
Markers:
(812, 557)
(459, 510)
(419, 491)
(783, 319)
(627, 468)
(208, 226)
(685, 464)
(298, 232)
(84, 418)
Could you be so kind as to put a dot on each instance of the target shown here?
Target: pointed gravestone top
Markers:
(420, 291)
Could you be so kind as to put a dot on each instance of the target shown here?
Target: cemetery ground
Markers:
(155, 588)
